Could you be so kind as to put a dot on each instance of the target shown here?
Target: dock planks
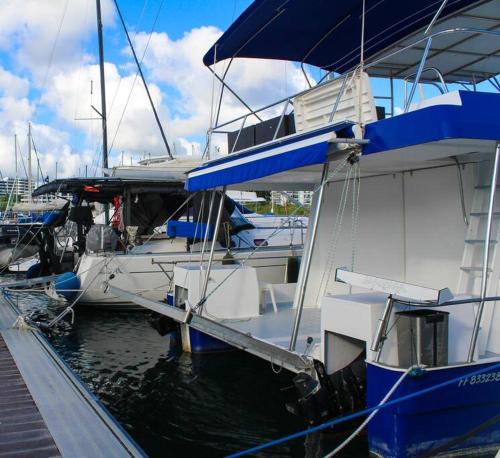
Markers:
(22, 429)
(45, 410)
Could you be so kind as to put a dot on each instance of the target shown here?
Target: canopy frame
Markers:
(426, 41)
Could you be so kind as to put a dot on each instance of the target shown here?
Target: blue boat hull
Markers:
(203, 343)
(459, 417)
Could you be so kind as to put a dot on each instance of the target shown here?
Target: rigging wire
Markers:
(360, 428)
(53, 49)
(137, 26)
(79, 74)
(279, 229)
(39, 166)
(99, 146)
(153, 27)
(20, 155)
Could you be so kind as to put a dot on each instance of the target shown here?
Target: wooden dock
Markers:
(45, 410)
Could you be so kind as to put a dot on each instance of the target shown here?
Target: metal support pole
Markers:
(391, 86)
(435, 18)
(339, 96)
(16, 179)
(461, 190)
(30, 180)
(283, 113)
(236, 95)
(103, 100)
(239, 133)
(486, 258)
(212, 248)
(381, 333)
(306, 261)
(103, 87)
(419, 73)
(210, 208)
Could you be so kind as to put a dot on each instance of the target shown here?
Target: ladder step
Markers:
(496, 214)
(479, 241)
(473, 269)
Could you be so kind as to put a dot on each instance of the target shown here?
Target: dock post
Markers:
(298, 302)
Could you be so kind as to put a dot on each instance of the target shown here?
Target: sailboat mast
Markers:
(30, 185)
(103, 87)
(16, 185)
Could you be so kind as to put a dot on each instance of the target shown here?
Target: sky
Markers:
(49, 76)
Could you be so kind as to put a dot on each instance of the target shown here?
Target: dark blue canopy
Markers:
(324, 33)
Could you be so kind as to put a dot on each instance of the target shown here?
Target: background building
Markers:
(20, 186)
(304, 197)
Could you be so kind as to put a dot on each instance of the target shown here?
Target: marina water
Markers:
(177, 404)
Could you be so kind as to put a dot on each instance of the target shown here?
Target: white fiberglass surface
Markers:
(276, 327)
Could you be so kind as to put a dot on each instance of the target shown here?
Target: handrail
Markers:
(442, 89)
(471, 30)
(469, 300)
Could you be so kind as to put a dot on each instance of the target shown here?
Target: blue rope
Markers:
(361, 413)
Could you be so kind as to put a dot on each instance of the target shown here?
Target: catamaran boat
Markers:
(155, 225)
(394, 308)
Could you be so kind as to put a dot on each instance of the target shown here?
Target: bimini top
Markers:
(327, 34)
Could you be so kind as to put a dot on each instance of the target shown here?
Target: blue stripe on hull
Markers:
(429, 421)
(203, 343)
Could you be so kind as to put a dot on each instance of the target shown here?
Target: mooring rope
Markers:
(363, 412)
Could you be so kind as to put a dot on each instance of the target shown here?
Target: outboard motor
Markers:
(328, 396)
(313, 403)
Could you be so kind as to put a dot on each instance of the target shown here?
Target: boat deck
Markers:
(45, 410)
(276, 327)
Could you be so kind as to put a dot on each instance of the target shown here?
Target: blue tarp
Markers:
(190, 230)
(324, 33)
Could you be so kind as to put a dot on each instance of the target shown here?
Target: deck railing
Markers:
(416, 77)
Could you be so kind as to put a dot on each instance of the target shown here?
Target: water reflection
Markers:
(175, 403)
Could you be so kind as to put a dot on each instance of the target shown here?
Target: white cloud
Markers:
(29, 30)
(13, 85)
(131, 123)
(56, 81)
(35, 47)
(178, 64)
(15, 112)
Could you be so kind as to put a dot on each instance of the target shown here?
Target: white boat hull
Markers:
(151, 275)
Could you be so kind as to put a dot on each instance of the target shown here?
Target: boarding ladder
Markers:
(471, 268)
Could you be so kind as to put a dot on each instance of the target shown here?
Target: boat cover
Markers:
(294, 151)
(324, 33)
(104, 189)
